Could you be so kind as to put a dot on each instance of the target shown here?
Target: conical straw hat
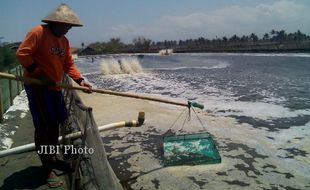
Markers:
(63, 14)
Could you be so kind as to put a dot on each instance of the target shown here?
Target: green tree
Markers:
(224, 39)
(114, 45)
(244, 38)
(7, 58)
(234, 38)
(281, 36)
(266, 37)
(253, 37)
(141, 44)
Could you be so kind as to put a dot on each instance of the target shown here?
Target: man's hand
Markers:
(85, 84)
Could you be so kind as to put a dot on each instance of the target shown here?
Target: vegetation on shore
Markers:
(275, 41)
(7, 57)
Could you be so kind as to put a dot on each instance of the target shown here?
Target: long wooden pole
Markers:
(11, 91)
(102, 91)
(1, 106)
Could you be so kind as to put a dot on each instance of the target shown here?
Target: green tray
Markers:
(190, 149)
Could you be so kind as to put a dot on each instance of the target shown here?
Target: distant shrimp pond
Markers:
(256, 107)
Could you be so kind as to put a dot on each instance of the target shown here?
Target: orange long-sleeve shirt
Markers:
(49, 53)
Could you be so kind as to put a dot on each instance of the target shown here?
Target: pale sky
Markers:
(158, 20)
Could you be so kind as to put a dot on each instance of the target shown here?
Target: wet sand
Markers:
(252, 158)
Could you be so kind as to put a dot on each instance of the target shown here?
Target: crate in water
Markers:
(190, 149)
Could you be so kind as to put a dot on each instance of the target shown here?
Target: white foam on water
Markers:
(219, 102)
(259, 110)
(220, 65)
(207, 64)
(253, 54)
(169, 69)
(294, 137)
(7, 143)
(123, 65)
(274, 146)
(20, 104)
(91, 73)
(276, 54)
(258, 150)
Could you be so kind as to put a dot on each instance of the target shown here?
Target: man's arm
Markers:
(26, 50)
(25, 53)
(71, 69)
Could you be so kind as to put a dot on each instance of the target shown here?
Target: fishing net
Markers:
(190, 149)
(93, 171)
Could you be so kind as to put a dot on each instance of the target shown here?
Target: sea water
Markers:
(260, 104)
(263, 90)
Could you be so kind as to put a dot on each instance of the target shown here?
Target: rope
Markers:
(176, 120)
(199, 119)
(187, 118)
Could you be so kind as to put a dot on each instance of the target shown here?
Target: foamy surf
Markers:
(257, 109)
(253, 54)
(128, 65)
(20, 107)
(218, 66)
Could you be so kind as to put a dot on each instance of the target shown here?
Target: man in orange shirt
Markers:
(45, 55)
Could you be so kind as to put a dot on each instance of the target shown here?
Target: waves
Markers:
(220, 65)
(253, 54)
(254, 91)
(126, 65)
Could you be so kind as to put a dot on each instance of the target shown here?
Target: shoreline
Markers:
(252, 158)
(279, 52)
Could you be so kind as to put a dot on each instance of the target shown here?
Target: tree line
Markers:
(273, 41)
(7, 57)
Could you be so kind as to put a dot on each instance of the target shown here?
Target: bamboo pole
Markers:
(1, 105)
(20, 73)
(102, 91)
(10, 91)
(17, 82)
